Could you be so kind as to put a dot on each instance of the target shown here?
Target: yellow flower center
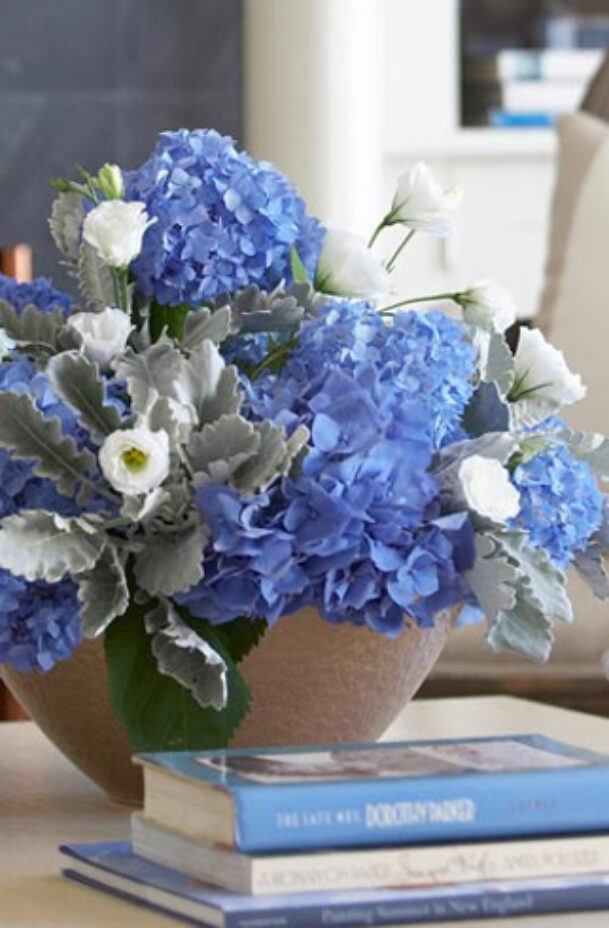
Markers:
(134, 459)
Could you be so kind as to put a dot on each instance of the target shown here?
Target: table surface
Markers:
(44, 801)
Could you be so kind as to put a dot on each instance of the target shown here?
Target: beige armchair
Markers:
(574, 313)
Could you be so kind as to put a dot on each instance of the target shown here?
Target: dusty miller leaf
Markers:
(65, 223)
(160, 370)
(592, 448)
(272, 460)
(203, 324)
(31, 326)
(590, 564)
(171, 563)
(40, 545)
(492, 579)
(486, 411)
(77, 381)
(103, 593)
(29, 436)
(95, 279)
(255, 310)
(186, 657)
(221, 447)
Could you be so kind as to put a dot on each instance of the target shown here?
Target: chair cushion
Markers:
(576, 317)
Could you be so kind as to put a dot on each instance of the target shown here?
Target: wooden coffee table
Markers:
(44, 801)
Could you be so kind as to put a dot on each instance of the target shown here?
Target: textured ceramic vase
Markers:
(311, 682)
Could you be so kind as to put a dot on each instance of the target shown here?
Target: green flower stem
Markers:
(419, 299)
(120, 281)
(400, 249)
(275, 355)
(377, 232)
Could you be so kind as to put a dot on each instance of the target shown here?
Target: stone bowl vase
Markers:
(311, 682)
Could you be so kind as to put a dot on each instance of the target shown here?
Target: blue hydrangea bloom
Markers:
(421, 356)
(561, 504)
(39, 622)
(223, 220)
(358, 534)
(40, 292)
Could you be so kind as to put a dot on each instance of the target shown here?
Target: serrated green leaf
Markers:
(299, 271)
(529, 449)
(187, 657)
(29, 436)
(103, 594)
(31, 326)
(77, 381)
(203, 324)
(158, 713)
(171, 563)
(95, 279)
(65, 223)
(168, 319)
(40, 545)
(240, 636)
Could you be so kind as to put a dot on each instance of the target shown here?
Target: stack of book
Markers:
(518, 88)
(379, 834)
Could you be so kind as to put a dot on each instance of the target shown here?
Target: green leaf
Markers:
(168, 318)
(103, 593)
(40, 545)
(95, 279)
(187, 657)
(171, 563)
(77, 381)
(529, 449)
(31, 326)
(65, 223)
(202, 324)
(29, 436)
(158, 713)
(240, 636)
(61, 184)
(299, 271)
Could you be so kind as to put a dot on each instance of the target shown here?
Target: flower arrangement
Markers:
(236, 422)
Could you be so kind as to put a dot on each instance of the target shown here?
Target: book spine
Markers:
(393, 812)
(479, 902)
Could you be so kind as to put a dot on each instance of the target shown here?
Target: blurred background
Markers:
(343, 95)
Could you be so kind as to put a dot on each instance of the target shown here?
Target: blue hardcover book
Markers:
(378, 794)
(114, 869)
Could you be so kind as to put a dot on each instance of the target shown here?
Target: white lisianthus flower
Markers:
(347, 267)
(489, 305)
(104, 335)
(541, 372)
(422, 204)
(135, 461)
(115, 229)
(487, 490)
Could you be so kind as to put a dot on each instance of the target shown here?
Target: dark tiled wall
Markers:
(91, 81)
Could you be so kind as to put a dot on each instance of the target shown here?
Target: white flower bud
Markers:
(487, 489)
(135, 461)
(110, 178)
(541, 372)
(115, 229)
(348, 268)
(489, 305)
(104, 335)
(422, 204)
